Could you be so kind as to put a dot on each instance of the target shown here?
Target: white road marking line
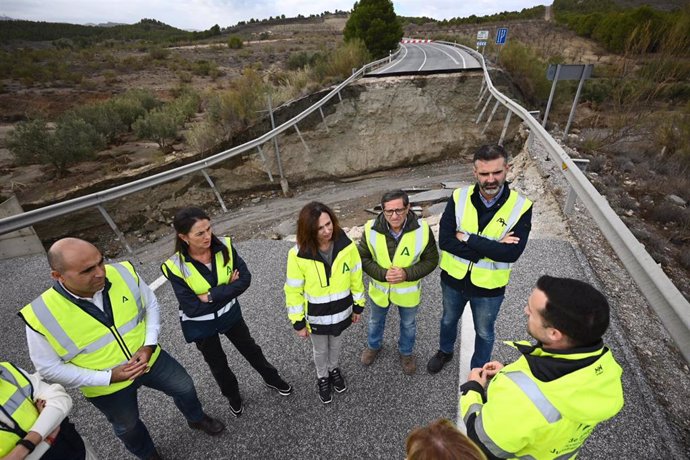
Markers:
(160, 281)
(462, 56)
(466, 350)
(396, 62)
(423, 62)
(444, 52)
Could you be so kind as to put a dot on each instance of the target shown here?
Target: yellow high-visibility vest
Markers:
(408, 252)
(80, 339)
(484, 273)
(17, 401)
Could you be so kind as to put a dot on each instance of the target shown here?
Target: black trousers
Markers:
(68, 444)
(217, 361)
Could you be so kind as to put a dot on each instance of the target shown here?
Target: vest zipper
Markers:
(120, 341)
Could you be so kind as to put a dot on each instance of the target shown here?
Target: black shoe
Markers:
(437, 362)
(236, 406)
(154, 456)
(324, 385)
(337, 380)
(208, 425)
(281, 386)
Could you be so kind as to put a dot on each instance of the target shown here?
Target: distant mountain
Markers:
(5, 18)
(107, 24)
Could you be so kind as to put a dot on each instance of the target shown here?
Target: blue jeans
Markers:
(122, 410)
(408, 327)
(484, 313)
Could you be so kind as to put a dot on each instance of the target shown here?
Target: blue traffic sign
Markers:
(501, 36)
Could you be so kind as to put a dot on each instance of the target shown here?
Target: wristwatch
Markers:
(30, 446)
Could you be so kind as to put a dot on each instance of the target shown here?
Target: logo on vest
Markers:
(228, 270)
(501, 221)
(405, 252)
(345, 268)
(124, 298)
(599, 370)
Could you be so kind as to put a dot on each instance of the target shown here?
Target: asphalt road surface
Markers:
(428, 57)
(381, 406)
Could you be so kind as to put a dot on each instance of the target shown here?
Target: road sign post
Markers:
(501, 37)
(482, 37)
(558, 72)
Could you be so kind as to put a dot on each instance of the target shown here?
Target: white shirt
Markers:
(51, 367)
(58, 405)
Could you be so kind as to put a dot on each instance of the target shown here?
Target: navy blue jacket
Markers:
(192, 306)
(477, 246)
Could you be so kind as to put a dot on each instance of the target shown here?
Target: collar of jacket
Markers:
(548, 365)
(216, 246)
(340, 242)
(476, 200)
(381, 225)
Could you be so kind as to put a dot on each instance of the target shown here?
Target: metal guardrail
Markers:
(662, 295)
(26, 219)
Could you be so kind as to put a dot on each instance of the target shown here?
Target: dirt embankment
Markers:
(380, 124)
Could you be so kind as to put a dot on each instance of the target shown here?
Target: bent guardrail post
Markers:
(570, 199)
(323, 119)
(505, 127)
(118, 233)
(306, 147)
(283, 181)
(483, 110)
(491, 116)
(481, 96)
(263, 159)
(215, 190)
(553, 90)
(662, 295)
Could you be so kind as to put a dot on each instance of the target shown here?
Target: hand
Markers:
(356, 317)
(303, 333)
(509, 239)
(40, 405)
(396, 275)
(477, 374)
(203, 297)
(235, 276)
(135, 367)
(460, 236)
(492, 368)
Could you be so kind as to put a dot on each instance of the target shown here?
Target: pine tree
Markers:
(374, 22)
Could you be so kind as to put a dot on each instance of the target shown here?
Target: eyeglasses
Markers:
(399, 212)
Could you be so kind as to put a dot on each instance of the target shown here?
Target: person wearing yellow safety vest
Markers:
(324, 292)
(33, 419)
(208, 275)
(547, 403)
(483, 231)
(97, 329)
(397, 251)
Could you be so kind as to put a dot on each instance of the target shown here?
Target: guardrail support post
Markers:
(505, 127)
(553, 90)
(340, 98)
(263, 159)
(215, 190)
(483, 110)
(491, 116)
(481, 89)
(577, 98)
(118, 233)
(323, 118)
(572, 195)
(283, 181)
(306, 147)
(481, 96)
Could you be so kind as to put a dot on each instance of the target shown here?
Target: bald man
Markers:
(97, 330)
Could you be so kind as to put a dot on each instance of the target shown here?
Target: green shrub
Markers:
(103, 117)
(350, 55)
(203, 136)
(159, 54)
(29, 141)
(159, 125)
(235, 42)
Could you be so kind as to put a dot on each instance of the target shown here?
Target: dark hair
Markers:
(441, 440)
(183, 222)
(394, 195)
(308, 226)
(575, 308)
(490, 152)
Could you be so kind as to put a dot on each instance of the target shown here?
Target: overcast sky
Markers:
(202, 14)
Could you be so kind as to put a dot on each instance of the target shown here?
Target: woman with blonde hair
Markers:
(324, 292)
(441, 440)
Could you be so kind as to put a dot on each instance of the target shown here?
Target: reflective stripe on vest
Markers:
(336, 318)
(209, 316)
(82, 340)
(407, 293)
(485, 273)
(195, 280)
(16, 400)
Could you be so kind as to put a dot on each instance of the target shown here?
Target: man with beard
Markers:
(547, 403)
(483, 231)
